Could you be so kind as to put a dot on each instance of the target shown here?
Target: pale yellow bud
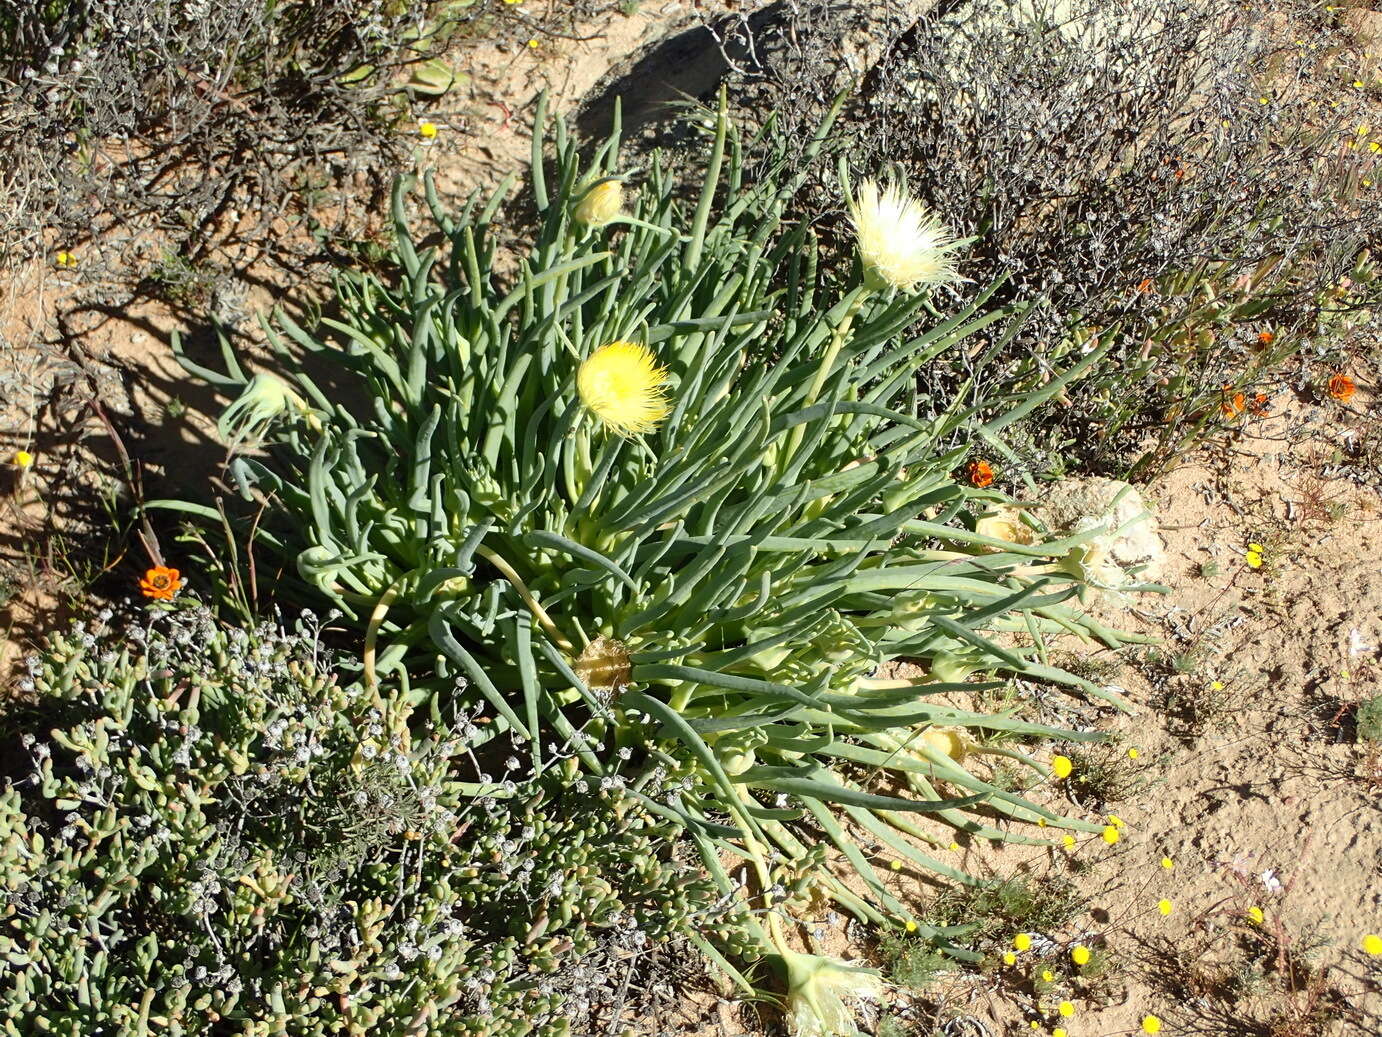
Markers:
(601, 204)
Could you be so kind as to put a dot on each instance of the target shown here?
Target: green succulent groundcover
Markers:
(659, 497)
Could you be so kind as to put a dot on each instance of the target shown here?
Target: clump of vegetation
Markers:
(1369, 720)
(206, 121)
(224, 833)
(668, 491)
(1148, 169)
(1002, 909)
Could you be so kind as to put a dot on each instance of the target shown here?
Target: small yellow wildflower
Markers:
(1047, 976)
(1079, 954)
(1253, 556)
(1133, 753)
(427, 130)
(1068, 841)
(1041, 822)
(1255, 915)
(1066, 1009)
(23, 459)
(1216, 685)
(532, 44)
(622, 385)
(65, 260)
(1059, 1031)
(1061, 766)
(1164, 906)
(1117, 821)
(1372, 944)
(1151, 1024)
(1022, 941)
(1009, 958)
(910, 926)
(954, 846)
(1167, 863)
(1374, 146)
(1357, 84)
(895, 865)
(1110, 834)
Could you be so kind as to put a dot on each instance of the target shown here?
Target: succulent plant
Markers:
(219, 836)
(668, 490)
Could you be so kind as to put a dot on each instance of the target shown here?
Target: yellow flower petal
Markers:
(1164, 906)
(1167, 863)
(1022, 941)
(1151, 1024)
(1110, 834)
(1061, 766)
(1255, 915)
(1079, 954)
(1372, 944)
(1066, 1009)
(622, 385)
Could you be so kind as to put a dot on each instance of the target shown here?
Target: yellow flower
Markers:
(1167, 863)
(1061, 766)
(1022, 941)
(426, 130)
(600, 204)
(1116, 821)
(1059, 1031)
(1372, 944)
(23, 459)
(1216, 685)
(954, 846)
(1068, 841)
(1079, 954)
(1133, 754)
(910, 926)
(1066, 1009)
(1047, 976)
(533, 44)
(1164, 906)
(900, 243)
(895, 865)
(1110, 834)
(1009, 958)
(1151, 1024)
(66, 260)
(1253, 556)
(622, 385)
(1255, 915)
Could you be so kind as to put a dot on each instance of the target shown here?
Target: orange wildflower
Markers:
(1260, 405)
(1233, 403)
(1341, 387)
(980, 473)
(1144, 286)
(1265, 338)
(160, 583)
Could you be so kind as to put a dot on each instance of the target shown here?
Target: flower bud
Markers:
(600, 204)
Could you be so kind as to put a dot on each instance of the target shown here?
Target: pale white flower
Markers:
(822, 992)
(265, 399)
(901, 244)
